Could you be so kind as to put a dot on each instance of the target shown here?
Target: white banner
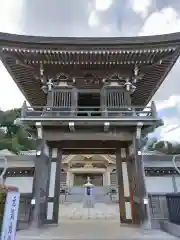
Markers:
(10, 216)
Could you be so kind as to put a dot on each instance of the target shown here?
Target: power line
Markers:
(172, 129)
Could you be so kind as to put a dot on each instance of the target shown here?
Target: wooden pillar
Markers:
(124, 186)
(50, 98)
(120, 185)
(54, 185)
(131, 187)
(74, 102)
(40, 186)
(139, 190)
(126, 183)
(57, 185)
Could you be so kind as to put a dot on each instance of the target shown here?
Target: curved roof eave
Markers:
(156, 39)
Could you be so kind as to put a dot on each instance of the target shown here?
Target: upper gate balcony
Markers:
(89, 115)
(89, 81)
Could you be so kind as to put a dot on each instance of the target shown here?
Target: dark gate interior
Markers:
(89, 102)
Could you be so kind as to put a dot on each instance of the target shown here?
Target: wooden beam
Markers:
(86, 136)
(88, 145)
(69, 151)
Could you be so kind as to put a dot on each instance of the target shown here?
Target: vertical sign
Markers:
(10, 216)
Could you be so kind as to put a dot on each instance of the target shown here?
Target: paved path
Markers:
(92, 230)
(75, 211)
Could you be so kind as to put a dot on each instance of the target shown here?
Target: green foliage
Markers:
(165, 147)
(146, 131)
(12, 137)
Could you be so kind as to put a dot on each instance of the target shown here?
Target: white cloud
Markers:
(172, 101)
(141, 7)
(10, 15)
(171, 111)
(165, 21)
(173, 135)
(10, 96)
(10, 21)
(170, 123)
(103, 5)
(94, 17)
(171, 129)
(93, 20)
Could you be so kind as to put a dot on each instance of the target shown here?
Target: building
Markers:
(160, 178)
(75, 169)
(89, 96)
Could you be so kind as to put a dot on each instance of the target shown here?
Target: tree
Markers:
(146, 142)
(12, 137)
(165, 147)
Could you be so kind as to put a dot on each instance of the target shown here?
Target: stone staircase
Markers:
(103, 198)
(76, 195)
(74, 198)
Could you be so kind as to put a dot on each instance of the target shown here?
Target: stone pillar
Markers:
(104, 179)
(68, 178)
(108, 175)
(72, 179)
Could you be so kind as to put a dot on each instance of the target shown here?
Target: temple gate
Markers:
(89, 96)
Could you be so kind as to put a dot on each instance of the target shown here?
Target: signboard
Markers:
(10, 216)
(88, 191)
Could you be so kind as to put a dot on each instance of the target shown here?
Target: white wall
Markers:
(159, 184)
(166, 184)
(25, 184)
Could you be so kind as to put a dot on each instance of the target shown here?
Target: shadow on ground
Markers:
(91, 229)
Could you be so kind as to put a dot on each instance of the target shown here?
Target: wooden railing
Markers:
(88, 112)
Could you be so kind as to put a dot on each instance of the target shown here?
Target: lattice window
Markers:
(117, 98)
(62, 99)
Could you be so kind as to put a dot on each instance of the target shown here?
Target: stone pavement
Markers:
(92, 229)
(75, 211)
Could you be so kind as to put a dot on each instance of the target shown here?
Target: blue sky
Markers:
(95, 18)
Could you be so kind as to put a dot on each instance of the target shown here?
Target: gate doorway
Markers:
(129, 210)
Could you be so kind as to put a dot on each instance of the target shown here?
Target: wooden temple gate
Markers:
(47, 186)
(124, 73)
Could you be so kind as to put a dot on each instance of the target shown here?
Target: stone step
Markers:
(76, 195)
(80, 190)
(72, 198)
